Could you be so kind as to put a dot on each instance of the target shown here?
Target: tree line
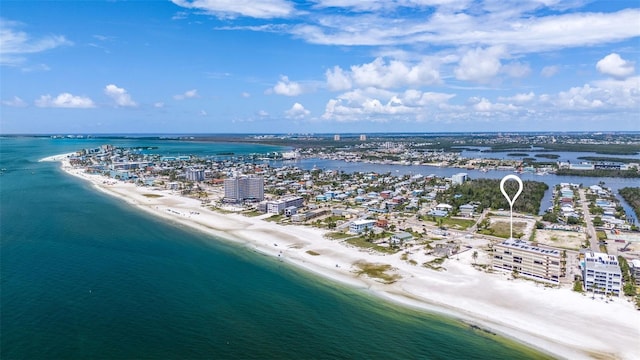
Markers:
(632, 196)
(486, 193)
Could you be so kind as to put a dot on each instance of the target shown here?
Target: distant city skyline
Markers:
(322, 66)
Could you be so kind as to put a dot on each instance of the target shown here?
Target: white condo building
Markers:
(601, 273)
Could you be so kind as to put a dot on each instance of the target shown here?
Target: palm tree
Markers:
(474, 256)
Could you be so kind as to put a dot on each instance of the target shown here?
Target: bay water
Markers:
(84, 275)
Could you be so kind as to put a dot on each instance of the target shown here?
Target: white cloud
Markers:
(523, 26)
(519, 98)
(614, 65)
(15, 102)
(483, 105)
(373, 104)
(263, 113)
(297, 111)
(158, 105)
(384, 74)
(16, 44)
(337, 79)
(287, 88)
(245, 95)
(65, 100)
(549, 71)
(516, 69)
(203, 113)
(119, 95)
(480, 65)
(263, 9)
(395, 73)
(189, 94)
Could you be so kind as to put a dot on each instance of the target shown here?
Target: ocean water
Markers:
(83, 275)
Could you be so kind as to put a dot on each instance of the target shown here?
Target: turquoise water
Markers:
(84, 275)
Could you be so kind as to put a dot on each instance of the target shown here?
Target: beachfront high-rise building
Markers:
(535, 262)
(241, 188)
(363, 137)
(336, 137)
(601, 273)
(194, 174)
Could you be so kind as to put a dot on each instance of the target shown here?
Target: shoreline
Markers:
(554, 321)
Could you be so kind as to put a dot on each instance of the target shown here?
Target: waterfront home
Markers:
(437, 213)
(444, 207)
(400, 238)
(358, 226)
(467, 210)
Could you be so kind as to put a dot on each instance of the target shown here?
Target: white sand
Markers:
(558, 321)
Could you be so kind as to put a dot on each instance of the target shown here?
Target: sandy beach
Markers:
(561, 322)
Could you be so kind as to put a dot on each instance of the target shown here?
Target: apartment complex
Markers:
(601, 273)
(238, 189)
(534, 262)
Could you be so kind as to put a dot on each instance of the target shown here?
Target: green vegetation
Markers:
(275, 218)
(629, 286)
(435, 264)
(252, 213)
(548, 156)
(153, 196)
(457, 223)
(221, 211)
(376, 271)
(632, 173)
(486, 193)
(502, 229)
(632, 196)
(361, 242)
(577, 286)
(518, 154)
(312, 253)
(605, 149)
(338, 235)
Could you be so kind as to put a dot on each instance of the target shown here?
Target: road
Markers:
(591, 231)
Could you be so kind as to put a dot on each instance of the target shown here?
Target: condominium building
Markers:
(534, 262)
(601, 273)
(194, 174)
(238, 189)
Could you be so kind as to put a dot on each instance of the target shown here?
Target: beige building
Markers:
(534, 262)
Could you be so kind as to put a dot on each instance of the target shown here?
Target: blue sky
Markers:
(322, 66)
